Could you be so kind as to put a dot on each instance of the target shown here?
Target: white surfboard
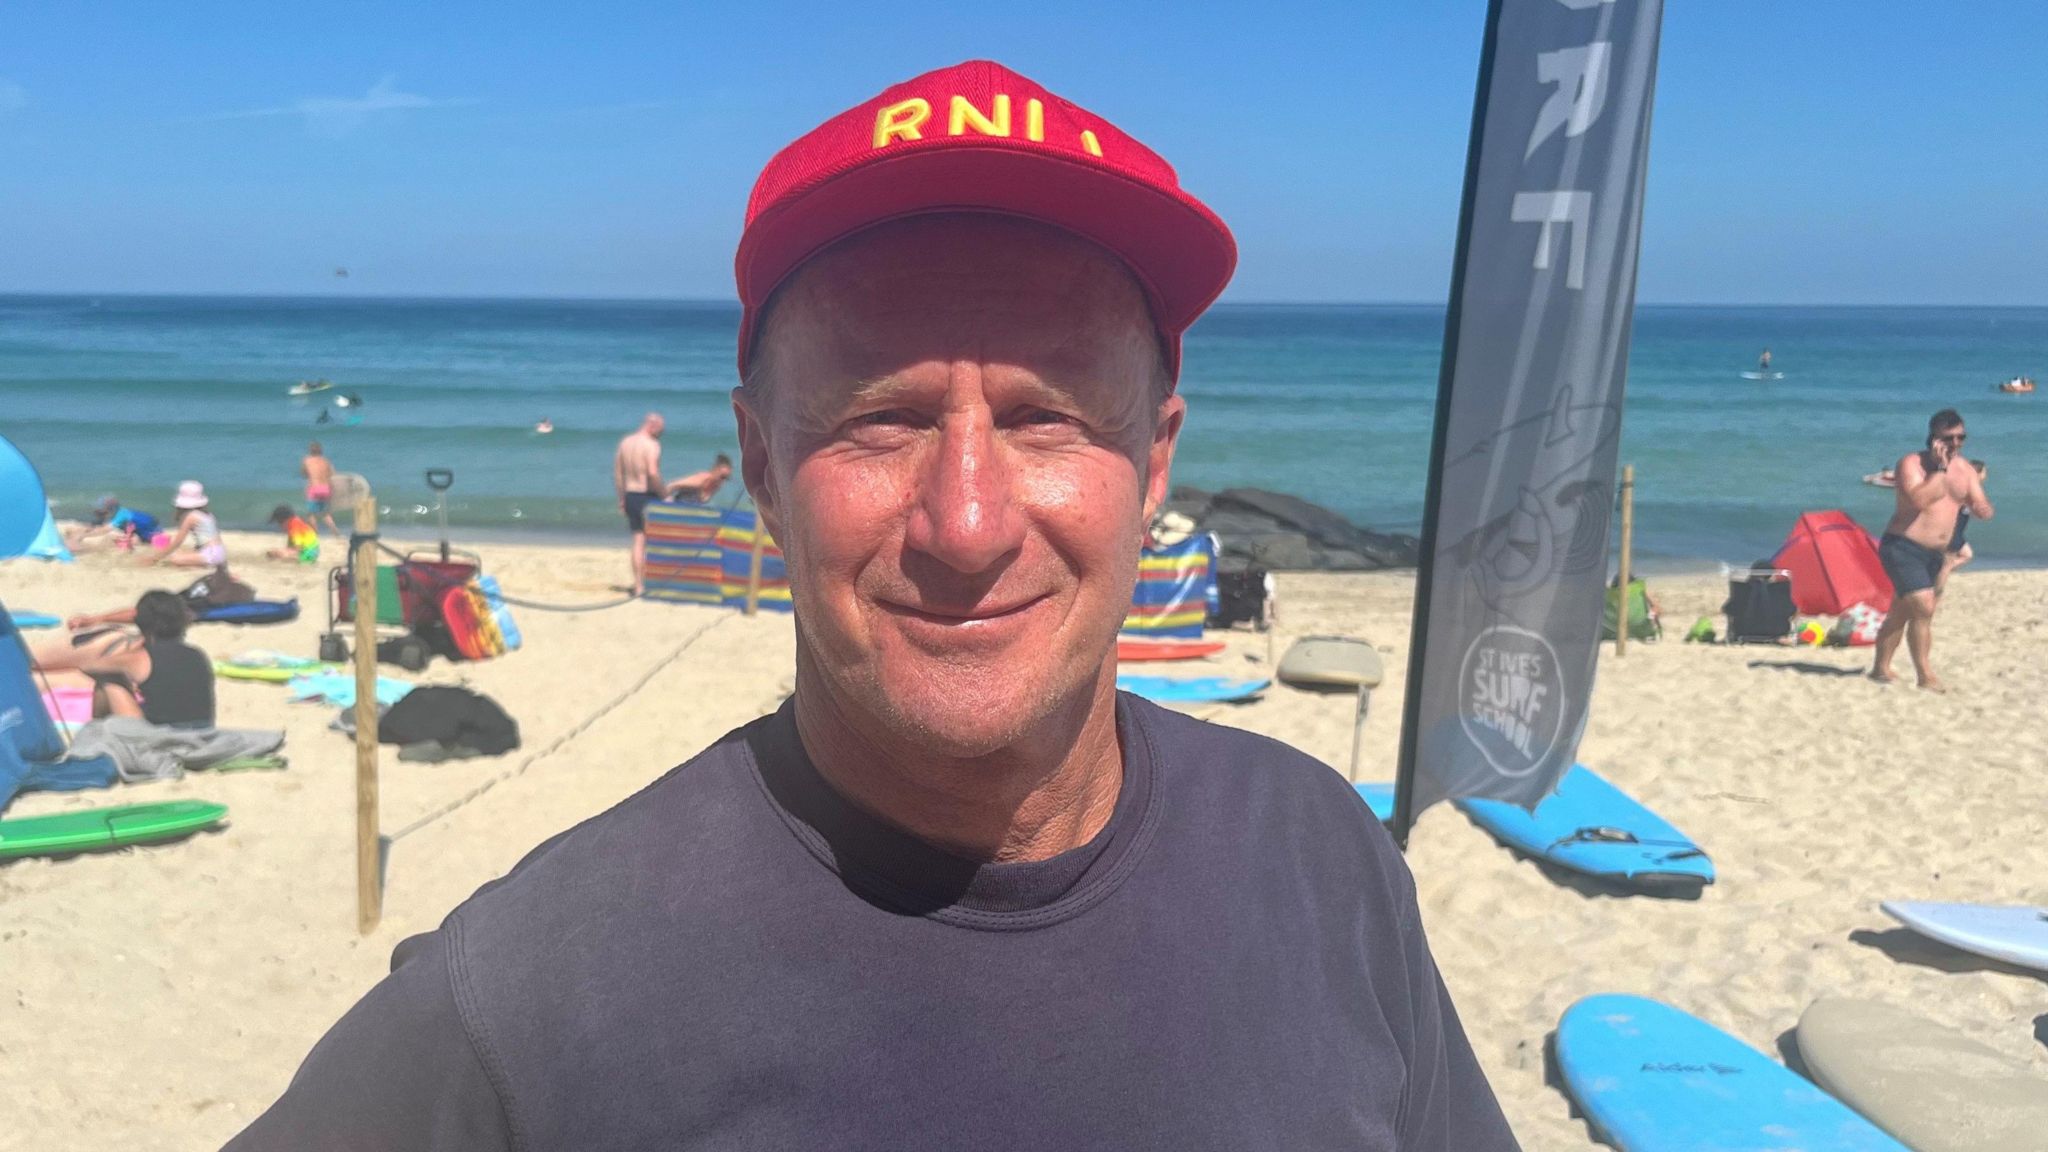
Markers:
(1763, 375)
(2016, 934)
(1935, 1089)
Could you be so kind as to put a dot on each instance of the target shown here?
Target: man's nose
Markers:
(966, 515)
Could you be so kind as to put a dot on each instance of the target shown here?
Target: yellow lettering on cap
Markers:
(901, 121)
(964, 114)
(1034, 120)
(1089, 142)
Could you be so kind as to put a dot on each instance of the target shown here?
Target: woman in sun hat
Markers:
(195, 521)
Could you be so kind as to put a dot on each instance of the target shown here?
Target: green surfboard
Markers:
(98, 829)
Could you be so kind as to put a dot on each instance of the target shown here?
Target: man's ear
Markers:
(754, 470)
(1159, 454)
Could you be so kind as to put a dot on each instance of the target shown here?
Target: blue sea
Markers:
(1333, 403)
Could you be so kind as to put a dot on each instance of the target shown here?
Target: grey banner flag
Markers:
(1522, 471)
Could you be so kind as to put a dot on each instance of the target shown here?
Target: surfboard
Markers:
(1590, 826)
(1932, 1087)
(269, 667)
(1331, 662)
(1196, 690)
(1651, 1078)
(1763, 375)
(308, 387)
(98, 829)
(2016, 934)
(27, 620)
(250, 612)
(1378, 797)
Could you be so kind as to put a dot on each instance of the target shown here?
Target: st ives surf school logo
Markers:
(1512, 699)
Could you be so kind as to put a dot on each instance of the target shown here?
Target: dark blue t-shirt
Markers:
(737, 957)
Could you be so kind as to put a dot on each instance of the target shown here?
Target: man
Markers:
(319, 473)
(1929, 496)
(636, 477)
(700, 487)
(957, 892)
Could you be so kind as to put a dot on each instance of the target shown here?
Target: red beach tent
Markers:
(1834, 565)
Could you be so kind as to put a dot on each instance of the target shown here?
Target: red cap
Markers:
(979, 137)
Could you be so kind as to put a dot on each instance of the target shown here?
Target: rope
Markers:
(558, 742)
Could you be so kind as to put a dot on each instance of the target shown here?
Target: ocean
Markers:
(1333, 403)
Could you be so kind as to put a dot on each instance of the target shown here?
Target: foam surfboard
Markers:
(269, 667)
(1651, 1078)
(1330, 662)
(1932, 1087)
(1378, 797)
(1197, 690)
(98, 829)
(1590, 826)
(2016, 934)
(1139, 648)
(1763, 375)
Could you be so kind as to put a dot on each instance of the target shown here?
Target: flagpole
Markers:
(1418, 630)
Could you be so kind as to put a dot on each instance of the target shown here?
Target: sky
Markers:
(1817, 151)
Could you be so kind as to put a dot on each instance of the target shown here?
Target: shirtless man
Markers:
(636, 477)
(319, 473)
(700, 487)
(1930, 494)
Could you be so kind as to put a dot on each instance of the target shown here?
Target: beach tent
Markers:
(31, 747)
(1833, 564)
(1175, 591)
(49, 543)
(23, 512)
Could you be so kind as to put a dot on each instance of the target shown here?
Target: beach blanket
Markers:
(144, 751)
(339, 689)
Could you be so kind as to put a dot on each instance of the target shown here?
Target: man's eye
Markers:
(1045, 416)
(888, 417)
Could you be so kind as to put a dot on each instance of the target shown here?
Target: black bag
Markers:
(1759, 606)
(1241, 596)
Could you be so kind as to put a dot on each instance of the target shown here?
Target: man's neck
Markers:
(1015, 804)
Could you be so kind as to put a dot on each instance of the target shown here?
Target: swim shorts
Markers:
(636, 510)
(1912, 566)
(317, 496)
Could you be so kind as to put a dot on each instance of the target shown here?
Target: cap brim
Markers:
(1181, 254)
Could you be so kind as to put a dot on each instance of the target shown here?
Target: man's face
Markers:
(958, 449)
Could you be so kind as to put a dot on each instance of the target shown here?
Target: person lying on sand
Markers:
(125, 526)
(149, 672)
(209, 591)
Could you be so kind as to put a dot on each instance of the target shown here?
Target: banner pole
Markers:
(1628, 531)
(369, 862)
(1425, 564)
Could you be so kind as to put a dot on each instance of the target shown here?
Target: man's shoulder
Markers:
(677, 828)
(1254, 776)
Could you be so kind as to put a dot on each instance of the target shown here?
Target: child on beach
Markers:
(301, 543)
(319, 473)
(124, 526)
(197, 523)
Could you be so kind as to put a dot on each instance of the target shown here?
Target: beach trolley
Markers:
(411, 591)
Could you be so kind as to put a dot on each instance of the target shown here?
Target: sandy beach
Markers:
(161, 997)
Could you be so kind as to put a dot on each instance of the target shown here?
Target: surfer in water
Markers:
(544, 427)
(1931, 497)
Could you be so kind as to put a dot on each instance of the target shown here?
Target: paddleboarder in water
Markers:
(1763, 363)
(958, 891)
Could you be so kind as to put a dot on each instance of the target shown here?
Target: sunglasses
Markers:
(1953, 438)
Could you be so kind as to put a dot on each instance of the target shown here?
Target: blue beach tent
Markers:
(31, 747)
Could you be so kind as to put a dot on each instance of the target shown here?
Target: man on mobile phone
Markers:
(1930, 495)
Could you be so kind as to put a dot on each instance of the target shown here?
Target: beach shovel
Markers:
(1331, 662)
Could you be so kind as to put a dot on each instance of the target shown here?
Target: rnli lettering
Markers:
(906, 120)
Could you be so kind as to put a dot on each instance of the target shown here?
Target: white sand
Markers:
(161, 997)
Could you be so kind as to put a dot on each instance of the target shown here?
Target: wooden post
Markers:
(1628, 535)
(754, 565)
(369, 862)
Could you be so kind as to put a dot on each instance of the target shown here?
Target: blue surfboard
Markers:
(1590, 826)
(1653, 1079)
(1378, 797)
(1193, 690)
